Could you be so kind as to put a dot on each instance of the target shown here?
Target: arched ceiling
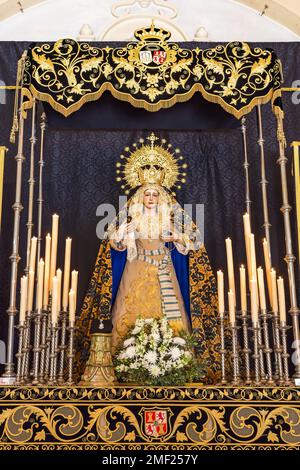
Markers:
(283, 12)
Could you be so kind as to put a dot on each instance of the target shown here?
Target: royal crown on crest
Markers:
(152, 33)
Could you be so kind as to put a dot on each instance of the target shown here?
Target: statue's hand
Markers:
(172, 237)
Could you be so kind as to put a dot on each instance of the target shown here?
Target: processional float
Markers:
(150, 73)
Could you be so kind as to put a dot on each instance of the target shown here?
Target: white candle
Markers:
(230, 267)
(72, 307)
(281, 296)
(32, 258)
(243, 289)
(23, 300)
(274, 292)
(268, 267)
(54, 311)
(67, 268)
(40, 285)
(231, 308)
(220, 277)
(30, 290)
(47, 271)
(253, 298)
(261, 285)
(59, 276)
(74, 283)
(247, 231)
(253, 263)
(55, 219)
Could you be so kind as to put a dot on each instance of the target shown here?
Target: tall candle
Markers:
(231, 307)
(220, 278)
(247, 231)
(30, 290)
(253, 298)
(40, 285)
(253, 263)
(54, 311)
(261, 285)
(74, 283)
(32, 258)
(23, 300)
(47, 271)
(281, 296)
(230, 267)
(59, 276)
(268, 267)
(54, 242)
(67, 268)
(243, 289)
(72, 307)
(274, 292)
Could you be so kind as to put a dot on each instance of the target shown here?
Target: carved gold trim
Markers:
(194, 417)
(2, 161)
(296, 171)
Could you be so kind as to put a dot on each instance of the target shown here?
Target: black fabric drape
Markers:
(79, 174)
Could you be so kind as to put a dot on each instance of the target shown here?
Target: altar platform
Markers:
(133, 418)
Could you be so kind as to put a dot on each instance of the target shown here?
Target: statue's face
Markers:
(150, 198)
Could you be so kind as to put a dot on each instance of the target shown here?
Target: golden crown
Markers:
(151, 175)
(152, 33)
(151, 164)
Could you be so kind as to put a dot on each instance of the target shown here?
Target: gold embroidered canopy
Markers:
(152, 73)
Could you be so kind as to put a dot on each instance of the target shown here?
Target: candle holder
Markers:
(222, 350)
(71, 354)
(256, 357)
(43, 345)
(20, 354)
(37, 346)
(278, 349)
(235, 355)
(26, 349)
(285, 355)
(246, 350)
(53, 355)
(62, 347)
(267, 350)
(48, 340)
(261, 348)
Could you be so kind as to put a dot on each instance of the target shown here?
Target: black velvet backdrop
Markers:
(79, 175)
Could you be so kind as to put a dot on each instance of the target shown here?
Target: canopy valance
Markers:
(152, 73)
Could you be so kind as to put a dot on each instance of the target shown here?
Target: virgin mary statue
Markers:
(152, 262)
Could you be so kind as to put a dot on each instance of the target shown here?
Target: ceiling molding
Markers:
(284, 12)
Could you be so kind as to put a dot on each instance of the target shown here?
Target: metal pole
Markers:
(31, 182)
(9, 375)
(246, 165)
(40, 198)
(289, 257)
(264, 181)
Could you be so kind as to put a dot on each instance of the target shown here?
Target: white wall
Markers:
(224, 20)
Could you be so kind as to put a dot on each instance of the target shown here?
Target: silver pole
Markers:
(40, 198)
(9, 375)
(31, 182)
(264, 181)
(246, 165)
(289, 257)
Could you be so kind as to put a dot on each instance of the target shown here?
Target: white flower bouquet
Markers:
(152, 355)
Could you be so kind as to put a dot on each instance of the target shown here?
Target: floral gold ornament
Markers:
(151, 164)
(152, 73)
(115, 417)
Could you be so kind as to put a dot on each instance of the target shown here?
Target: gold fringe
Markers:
(162, 104)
